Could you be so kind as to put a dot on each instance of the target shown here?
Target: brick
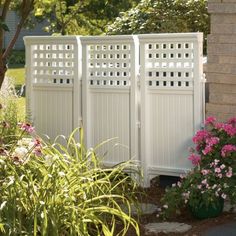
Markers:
(227, 60)
(221, 49)
(221, 112)
(222, 88)
(220, 78)
(221, 68)
(223, 18)
(221, 7)
(221, 108)
(222, 98)
(228, 1)
(218, 38)
(223, 29)
(214, 1)
(213, 59)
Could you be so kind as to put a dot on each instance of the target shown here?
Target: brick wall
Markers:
(221, 59)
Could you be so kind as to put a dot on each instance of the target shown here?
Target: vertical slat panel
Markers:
(171, 74)
(110, 111)
(53, 84)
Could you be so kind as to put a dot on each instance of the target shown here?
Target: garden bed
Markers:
(154, 194)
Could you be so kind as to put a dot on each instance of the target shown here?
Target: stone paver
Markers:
(167, 227)
(229, 208)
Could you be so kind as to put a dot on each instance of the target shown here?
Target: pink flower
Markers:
(210, 120)
(220, 176)
(222, 166)
(27, 127)
(179, 184)
(37, 151)
(212, 141)
(199, 186)
(201, 136)
(217, 170)
(205, 172)
(204, 182)
(232, 121)
(227, 149)
(228, 128)
(195, 159)
(223, 196)
(208, 149)
(186, 195)
(229, 174)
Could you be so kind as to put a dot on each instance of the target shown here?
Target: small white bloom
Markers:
(20, 152)
(42, 202)
(61, 174)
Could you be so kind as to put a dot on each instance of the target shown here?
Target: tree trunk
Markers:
(3, 70)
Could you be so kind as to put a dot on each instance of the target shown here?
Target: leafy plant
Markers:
(62, 190)
(214, 174)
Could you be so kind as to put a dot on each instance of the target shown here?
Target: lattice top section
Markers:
(109, 65)
(169, 64)
(53, 63)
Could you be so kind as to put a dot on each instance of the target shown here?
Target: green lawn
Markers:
(17, 73)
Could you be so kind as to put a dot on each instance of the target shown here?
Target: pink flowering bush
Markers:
(213, 177)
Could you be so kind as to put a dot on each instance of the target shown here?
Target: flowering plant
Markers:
(213, 177)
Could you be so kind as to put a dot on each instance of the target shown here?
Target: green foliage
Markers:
(80, 17)
(16, 58)
(166, 16)
(64, 191)
(8, 116)
(17, 73)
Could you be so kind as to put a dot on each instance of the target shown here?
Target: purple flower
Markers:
(27, 128)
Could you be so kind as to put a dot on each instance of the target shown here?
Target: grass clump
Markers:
(62, 190)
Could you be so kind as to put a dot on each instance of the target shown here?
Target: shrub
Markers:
(62, 190)
(17, 58)
(214, 174)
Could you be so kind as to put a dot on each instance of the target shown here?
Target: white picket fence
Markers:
(144, 92)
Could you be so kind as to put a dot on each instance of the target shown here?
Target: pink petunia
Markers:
(229, 174)
(232, 121)
(227, 149)
(210, 120)
(201, 136)
(228, 128)
(217, 170)
(195, 159)
(205, 172)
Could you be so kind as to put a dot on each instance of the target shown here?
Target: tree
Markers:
(25, 8)
(164, 16)
(81, 16)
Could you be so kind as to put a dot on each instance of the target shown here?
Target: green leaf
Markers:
(4, 26)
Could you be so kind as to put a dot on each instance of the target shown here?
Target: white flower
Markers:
(20, 152)
(61, 174)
